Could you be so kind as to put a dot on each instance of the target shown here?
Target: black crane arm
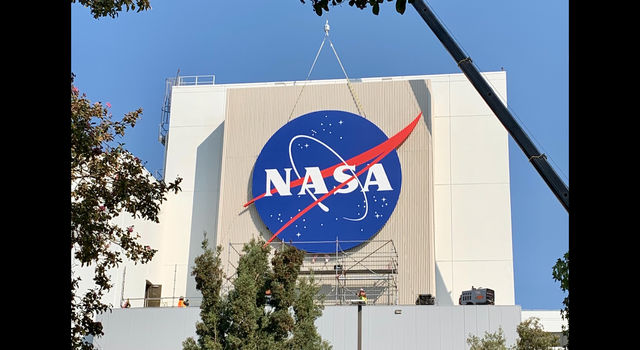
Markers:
(536, 158)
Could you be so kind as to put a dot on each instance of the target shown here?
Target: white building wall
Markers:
(193, 152)
(194, 149)
(404, 327)
(135, 275)
(551, 320)
(471, 191)
(128, 279)
(472, 214)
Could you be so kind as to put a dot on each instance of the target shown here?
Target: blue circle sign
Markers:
(326, 176)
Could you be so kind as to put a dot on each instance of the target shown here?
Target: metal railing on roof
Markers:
(195, 80)
(166, 104)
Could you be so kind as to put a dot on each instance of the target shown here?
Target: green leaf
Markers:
(376, 9)
(401, 5)
(325, 5)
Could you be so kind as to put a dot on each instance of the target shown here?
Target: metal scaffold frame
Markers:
(372, 266)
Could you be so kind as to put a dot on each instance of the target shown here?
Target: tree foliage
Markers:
(111, 8)
(208, 275)
(106, 181)
(267, 308)
(531, 336)
(490, 341)
(323, 5)
(561, 274)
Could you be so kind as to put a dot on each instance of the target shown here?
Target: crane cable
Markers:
(351, 90)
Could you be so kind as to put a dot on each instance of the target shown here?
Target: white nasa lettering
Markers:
(376, 176)
(317, 183)
(341, 177)
(381, 179)
(283, 187)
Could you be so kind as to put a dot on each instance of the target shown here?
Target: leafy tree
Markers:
(243, 309)
(111, 8)
(106, 181)
(305, 334)
(531, 336)
(490, 341)
(320, 5)
(267, 308)
(208, 275)
(561, 274)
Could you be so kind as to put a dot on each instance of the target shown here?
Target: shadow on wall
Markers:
(443, 296)
(206, 190)
(423, 98)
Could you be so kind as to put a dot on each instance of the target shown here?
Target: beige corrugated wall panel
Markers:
(254, 114)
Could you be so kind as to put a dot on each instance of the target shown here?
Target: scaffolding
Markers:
(372, 266)
(163, 128)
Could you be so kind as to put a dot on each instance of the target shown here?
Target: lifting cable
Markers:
(351, 90)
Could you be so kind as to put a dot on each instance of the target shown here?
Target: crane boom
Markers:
(537, 159)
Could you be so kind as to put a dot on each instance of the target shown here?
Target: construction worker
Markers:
(267, 295)
(362, 295)
(181, 302)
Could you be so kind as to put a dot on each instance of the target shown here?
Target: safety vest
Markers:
(181, 303)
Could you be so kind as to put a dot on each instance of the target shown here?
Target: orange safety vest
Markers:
(181, 303)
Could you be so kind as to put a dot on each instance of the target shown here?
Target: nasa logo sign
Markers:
(326, 176)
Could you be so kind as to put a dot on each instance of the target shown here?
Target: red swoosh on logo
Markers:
(378, 152)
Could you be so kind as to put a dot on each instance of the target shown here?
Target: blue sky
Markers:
(125, 61)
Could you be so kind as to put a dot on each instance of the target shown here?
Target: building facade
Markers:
(345, 327)
(451, 225)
